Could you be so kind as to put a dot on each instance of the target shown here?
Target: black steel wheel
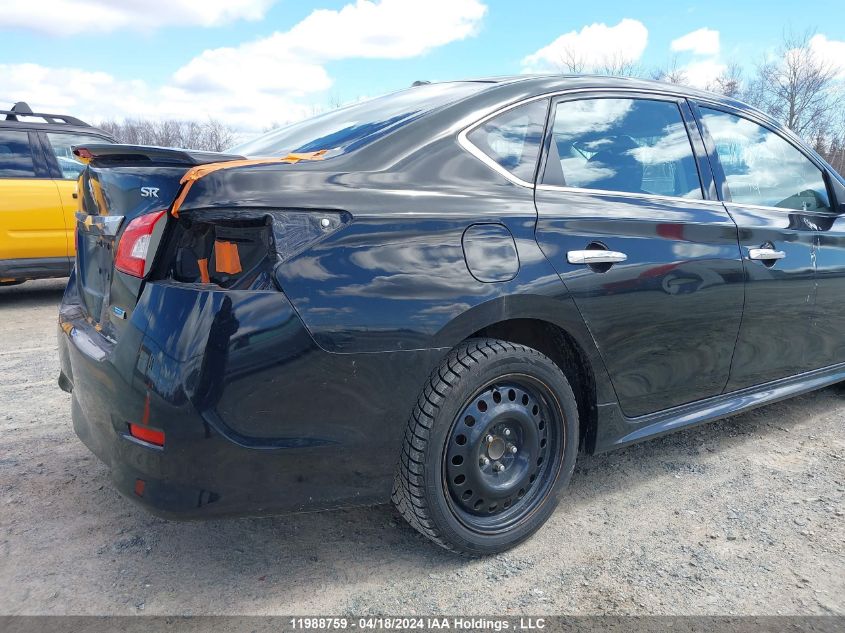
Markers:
(492, 439)
(498, 457)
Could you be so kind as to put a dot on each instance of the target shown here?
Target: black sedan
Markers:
(442, 295)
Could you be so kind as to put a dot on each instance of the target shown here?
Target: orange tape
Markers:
(226, 257)
(203, 264)
(195, 173)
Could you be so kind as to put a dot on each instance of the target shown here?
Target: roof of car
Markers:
(21, 116)
(551, 82)
(518, 87)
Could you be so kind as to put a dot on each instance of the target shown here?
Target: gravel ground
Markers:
(744, 516)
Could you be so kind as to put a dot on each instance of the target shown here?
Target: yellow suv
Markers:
(38, 174)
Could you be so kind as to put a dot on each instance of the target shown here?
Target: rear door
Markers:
(778, 199)
(627, 215)
(66, 168)
(31, 222)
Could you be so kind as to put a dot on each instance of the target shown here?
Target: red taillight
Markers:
(132, 249)
(146, 434)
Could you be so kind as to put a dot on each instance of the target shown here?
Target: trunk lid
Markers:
(121, 183)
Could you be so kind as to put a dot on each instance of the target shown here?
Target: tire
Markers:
(491, 443)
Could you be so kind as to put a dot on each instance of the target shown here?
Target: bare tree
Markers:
(729, 82)
(211, 135)
(671, 73)
(795, 87)
(571, 61)
(216, 136)
(574, 62)
(833, 147)
(618, 65)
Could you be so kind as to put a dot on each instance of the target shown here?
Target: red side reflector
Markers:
(146, 434)
(140, 484)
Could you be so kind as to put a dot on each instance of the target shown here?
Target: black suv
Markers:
(443, 294)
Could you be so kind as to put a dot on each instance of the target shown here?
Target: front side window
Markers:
(513, 139)
(763, 168)
(63, 143)
(625, 145)
(15, 155)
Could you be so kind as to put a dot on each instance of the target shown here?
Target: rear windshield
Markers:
(351, 127)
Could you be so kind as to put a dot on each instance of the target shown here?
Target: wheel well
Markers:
(558, 345)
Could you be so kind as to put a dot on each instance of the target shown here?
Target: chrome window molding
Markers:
(763, 207)
(628, 194)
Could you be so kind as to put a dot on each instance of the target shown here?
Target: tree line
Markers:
(211, 135)
(797, 87)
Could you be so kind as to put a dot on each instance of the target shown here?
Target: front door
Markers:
(779, 201)
(649, 256)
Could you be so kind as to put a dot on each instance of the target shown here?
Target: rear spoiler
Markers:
(199, 164)
(114, 154)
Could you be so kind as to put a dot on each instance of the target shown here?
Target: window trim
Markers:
(556, 96)
(473, 149)
(783, 133)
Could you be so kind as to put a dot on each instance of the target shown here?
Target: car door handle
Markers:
(765, 254)
(595, 256)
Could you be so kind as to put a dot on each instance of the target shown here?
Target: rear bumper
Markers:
(257, 418)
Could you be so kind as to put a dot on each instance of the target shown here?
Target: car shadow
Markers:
(41, 293)
(354, 545)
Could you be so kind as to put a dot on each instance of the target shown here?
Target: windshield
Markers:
(353, 126)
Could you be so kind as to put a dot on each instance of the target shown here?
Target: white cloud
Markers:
(701, 74)
(704, 41)
(593, 46)
(830, 51)
(291, 60)
(69, 17)
(274, 79)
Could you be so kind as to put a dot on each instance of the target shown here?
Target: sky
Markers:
(258, 63)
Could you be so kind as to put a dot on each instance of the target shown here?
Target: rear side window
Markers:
(626, 145)
(15, 155)
(763, 168)
(512, 140)
(63, 143)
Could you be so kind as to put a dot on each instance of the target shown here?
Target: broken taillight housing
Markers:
(240, 248)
